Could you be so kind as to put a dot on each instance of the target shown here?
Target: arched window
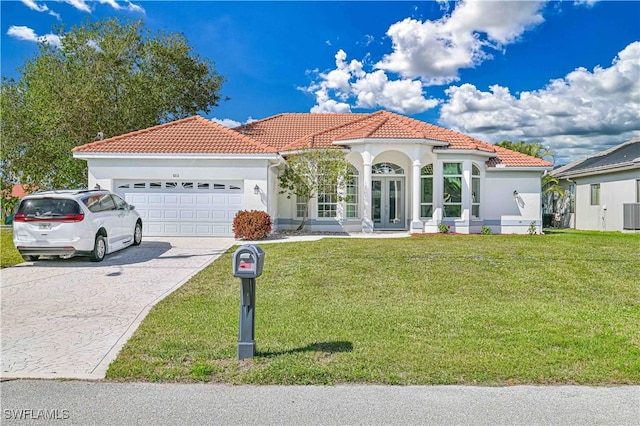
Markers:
(352, 199)
(475, 192)
(387, 169)
(426, 192)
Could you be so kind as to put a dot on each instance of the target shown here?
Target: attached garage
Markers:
(184, 208)
(186, 178)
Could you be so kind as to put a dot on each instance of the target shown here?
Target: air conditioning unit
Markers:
(631, 216)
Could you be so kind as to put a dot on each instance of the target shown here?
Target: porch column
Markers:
(466, 190)
(416, 223)
(367, 223)
(438, 189)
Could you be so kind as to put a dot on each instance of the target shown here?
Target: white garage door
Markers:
(178, 208)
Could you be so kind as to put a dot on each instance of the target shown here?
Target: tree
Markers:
(107, 78)
(534, 149)
(311, 172)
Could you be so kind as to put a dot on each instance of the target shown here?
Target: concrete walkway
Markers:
(69, 318)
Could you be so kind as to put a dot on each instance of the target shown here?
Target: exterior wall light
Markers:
(515, 194)
(256, 189)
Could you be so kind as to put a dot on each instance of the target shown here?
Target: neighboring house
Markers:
(602, 191)
(10, 202)
(191, 176)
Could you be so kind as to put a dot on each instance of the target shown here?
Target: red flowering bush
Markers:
(251, 225)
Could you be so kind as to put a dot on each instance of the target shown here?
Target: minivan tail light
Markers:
(67, 218)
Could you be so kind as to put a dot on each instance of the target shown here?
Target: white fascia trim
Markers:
(518, 169)
(362, 141)
(88, 156)
(454, 151)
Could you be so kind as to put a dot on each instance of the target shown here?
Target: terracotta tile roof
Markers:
(290, 132)
(192, 135)
(510, 158)
(282, 130)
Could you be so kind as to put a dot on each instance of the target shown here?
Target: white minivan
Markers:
(69, 223)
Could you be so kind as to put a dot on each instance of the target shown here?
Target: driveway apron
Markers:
(69, 318)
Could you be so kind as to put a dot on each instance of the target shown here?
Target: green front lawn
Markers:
(9, 256)
(438, 309)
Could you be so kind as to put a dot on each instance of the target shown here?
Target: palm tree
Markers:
(534, 149)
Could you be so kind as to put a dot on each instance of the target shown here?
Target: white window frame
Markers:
(459, 175)
(476, 184)
(426, 178)
(352, 198)
(595, 194)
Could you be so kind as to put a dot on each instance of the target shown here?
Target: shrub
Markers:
(443, 228)
(485, 230)
(251, 225)
(532, 228)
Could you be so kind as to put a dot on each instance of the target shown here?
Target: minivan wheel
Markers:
(99, 249)
(30, 257)
(137, 234)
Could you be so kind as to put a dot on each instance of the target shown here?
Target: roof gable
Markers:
(192, 135)
(623, 155)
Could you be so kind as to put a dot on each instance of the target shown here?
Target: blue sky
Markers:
(566, 74)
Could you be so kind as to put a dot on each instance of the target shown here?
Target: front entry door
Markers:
(387, 203)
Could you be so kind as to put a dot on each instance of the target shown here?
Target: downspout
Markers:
(575, 202)
(274, 197)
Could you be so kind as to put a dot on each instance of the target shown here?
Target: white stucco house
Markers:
(602, 192)
(191, 176)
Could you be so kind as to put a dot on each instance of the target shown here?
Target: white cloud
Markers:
(599, 106)
(424, 53)
(227, 122)
(436, 50)
(349, 82)
(83, 5)
(25, 33)
(31, 4)
(78, 4)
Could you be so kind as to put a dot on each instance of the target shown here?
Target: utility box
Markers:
(248, 261)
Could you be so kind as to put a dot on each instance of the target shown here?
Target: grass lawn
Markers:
(9, 256)
(437, 309)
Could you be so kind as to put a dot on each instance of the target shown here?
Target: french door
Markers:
(387, 203)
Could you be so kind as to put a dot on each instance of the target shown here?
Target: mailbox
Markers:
(248, 261)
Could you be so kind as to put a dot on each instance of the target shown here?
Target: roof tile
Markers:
(289, 132)
(192, 135)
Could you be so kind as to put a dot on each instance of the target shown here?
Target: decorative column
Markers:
(438, 189)
(367, 223)
(466, 190)
(416, 224)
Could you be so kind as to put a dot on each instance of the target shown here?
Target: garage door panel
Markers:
(187, 211)
(235, 200)
(187, 199)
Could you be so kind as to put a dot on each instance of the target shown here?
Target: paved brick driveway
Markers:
(69, 318)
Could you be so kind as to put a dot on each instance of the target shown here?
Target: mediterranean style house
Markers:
(191, 176)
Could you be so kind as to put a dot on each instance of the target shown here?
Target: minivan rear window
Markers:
(48, 207)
